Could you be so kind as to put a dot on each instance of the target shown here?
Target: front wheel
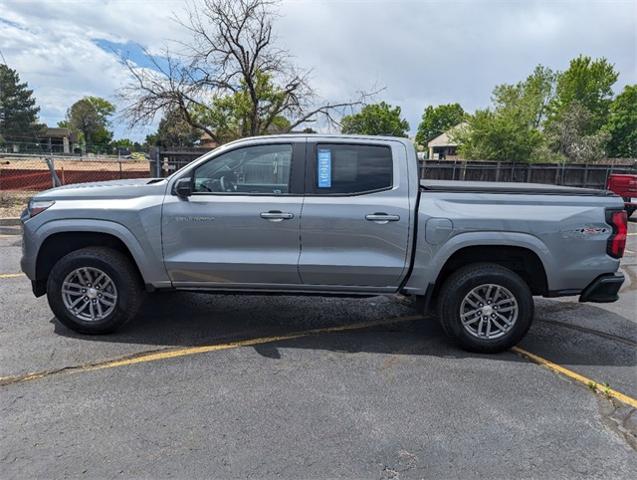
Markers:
(94, 290)
(485, 307)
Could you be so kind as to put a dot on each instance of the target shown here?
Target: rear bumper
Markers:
(603, 289)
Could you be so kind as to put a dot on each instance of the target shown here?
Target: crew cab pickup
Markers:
(324, 215)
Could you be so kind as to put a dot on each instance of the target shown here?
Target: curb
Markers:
(9, 221)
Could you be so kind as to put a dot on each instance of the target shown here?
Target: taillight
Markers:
(617, 241)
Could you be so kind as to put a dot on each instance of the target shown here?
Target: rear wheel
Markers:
(485, 307)
(94, 290)
(630, 211)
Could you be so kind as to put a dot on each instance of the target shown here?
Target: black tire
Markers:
(630, 211)
(123, 274)
(463, 281)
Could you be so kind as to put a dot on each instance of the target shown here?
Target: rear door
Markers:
(356, 215)
(240, 227)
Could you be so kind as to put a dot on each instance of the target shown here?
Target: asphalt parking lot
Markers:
(286, 387)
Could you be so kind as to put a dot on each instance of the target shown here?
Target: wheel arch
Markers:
(521, 260)
(58, 239)
(432, 263)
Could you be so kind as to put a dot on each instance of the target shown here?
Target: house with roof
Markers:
(444, 146)
(57, 140)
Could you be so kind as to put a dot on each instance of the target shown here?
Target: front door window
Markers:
(261, 169)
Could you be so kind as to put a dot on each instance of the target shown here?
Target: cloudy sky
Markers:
(423, 51)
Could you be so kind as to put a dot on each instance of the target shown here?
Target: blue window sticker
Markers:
(324, 165)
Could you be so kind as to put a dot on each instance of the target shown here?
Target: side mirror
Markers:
(183, 187)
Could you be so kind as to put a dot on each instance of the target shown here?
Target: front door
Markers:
(240, 227)
(356, 216)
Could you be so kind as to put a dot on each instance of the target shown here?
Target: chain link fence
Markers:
(18, 173)
(21, 176)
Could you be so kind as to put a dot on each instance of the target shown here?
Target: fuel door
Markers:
(437, 230)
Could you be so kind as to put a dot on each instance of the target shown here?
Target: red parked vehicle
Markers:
(625, 185)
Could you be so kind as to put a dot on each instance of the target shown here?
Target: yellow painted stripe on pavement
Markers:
(146, 357)
(576, 376)
(634, 233)
(154, 356)
(11, 275)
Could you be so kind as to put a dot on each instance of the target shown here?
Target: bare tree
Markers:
(231, 53)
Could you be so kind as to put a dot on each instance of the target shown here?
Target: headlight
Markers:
(36, 207)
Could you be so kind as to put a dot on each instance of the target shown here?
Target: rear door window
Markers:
(349, 169)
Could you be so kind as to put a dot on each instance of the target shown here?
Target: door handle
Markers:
(276, 215)
(381, 217)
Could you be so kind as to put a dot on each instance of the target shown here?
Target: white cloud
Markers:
(424, 52)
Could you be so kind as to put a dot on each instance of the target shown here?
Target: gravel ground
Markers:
(12, 203)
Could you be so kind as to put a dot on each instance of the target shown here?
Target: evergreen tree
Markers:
(89, 117)
(173, 131)
(18, 110)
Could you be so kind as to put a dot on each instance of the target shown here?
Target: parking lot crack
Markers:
(170, 353)
(620, 419)
(8, 380)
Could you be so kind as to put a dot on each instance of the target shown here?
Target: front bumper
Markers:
(29, 252)
(603, 289)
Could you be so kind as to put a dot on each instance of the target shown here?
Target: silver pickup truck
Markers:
(324, 215)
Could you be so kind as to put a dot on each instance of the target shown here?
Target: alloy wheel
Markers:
(89, 294)
(488, 311)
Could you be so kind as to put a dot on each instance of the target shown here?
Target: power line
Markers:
(4, 62)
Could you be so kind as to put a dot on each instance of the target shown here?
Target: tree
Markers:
(173, 131)
(376, 119)
(436, 120)
(547, 117)
(498, 136)
(511, 130)
(527, 101)
(622, 124)
(18, 110)
(568, 135)
(89, 117)
(230, 54)
(588, 82)
(232, 114)
(122, 145)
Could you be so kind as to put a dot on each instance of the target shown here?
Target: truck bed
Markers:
(509, 188)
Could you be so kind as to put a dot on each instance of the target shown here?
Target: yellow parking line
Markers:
(576, 376)
(11, 275)
(634, 233)
(146, 357)
(154, 356)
